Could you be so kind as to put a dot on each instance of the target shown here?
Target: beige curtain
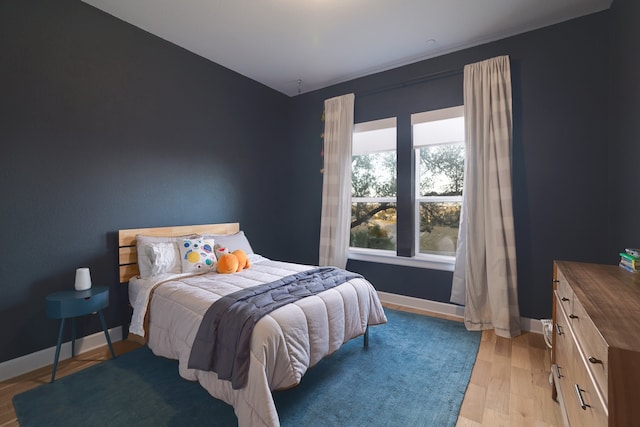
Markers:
(485, 276)
(336, 184)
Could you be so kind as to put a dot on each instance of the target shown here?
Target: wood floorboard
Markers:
(509, 383)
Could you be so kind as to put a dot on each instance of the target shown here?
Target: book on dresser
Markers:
(596, 344)
(629, 262)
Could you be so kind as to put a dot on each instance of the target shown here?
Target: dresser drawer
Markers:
(592, 346)
(564, 292)
(583, 405)
(563, 350)
(562, 354)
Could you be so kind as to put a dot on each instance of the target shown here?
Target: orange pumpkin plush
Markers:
(233, 262)
(227, 264)
(243, 260)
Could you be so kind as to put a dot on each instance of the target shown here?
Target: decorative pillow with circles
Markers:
(197, 255)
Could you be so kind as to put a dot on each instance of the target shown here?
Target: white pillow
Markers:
(197, 254)
(166, 258)
(147, 254)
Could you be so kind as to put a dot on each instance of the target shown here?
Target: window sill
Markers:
(432, 262)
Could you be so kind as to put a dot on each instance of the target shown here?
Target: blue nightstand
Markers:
(71, 304)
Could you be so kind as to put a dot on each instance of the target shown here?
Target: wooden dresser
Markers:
(596, 344)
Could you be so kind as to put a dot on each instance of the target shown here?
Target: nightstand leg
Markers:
(106, 333)
(55, 360)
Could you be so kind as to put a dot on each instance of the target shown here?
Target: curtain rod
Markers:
(416, 80)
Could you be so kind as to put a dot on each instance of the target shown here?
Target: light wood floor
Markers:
(509, 384)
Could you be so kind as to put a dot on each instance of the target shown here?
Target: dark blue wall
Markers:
(624, 137)
(560, 92)
(104, 126)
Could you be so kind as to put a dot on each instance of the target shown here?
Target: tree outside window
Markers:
(373, 185)
(438, 137)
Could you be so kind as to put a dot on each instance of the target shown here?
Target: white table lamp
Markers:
(83, 279)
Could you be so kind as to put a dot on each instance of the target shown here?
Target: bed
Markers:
(170, 299)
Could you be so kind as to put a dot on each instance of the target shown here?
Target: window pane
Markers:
(441, 170)
(439, 224)
(373, 225)
(371, 141)
(374, 175)
(437, 132)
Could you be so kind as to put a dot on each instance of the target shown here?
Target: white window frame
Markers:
(439, 262)
(389, 123)
(428, 261)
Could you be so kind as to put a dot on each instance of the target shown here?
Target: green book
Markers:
(629, 257)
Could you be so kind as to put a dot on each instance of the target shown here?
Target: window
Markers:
(438, 138)
(438, 141)
(373, 185)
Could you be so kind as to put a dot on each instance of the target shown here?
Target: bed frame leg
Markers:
(366, 337)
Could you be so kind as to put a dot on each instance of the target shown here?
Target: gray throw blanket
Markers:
(223, 339)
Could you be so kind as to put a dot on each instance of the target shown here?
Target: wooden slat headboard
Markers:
(128, 255)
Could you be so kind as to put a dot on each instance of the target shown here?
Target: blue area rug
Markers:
(414, 373)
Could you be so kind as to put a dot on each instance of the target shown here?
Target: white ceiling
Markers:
(295, 46)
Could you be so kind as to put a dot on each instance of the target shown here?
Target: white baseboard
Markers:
(452, 310)
(30, 362)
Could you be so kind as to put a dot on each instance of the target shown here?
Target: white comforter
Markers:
(284, 344)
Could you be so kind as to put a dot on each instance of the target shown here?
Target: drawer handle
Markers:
(559, 329)
(573, 316)
(565, 299)
(594, 360)
(557, 369)
(556, 281)
(580, 399)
